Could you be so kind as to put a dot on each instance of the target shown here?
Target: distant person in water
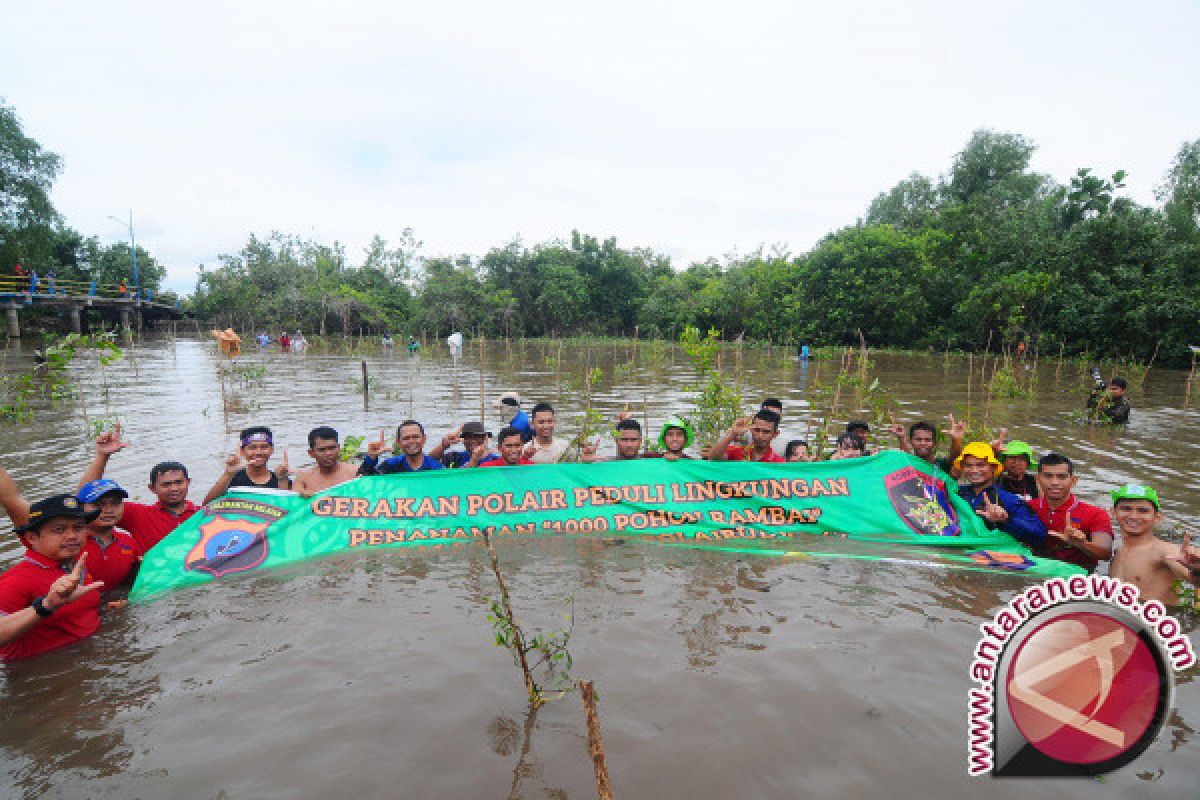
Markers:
(247, 466)
(1156, 567)
(169, 481)
(330, 470)
(545, 447)
(386, 341)
(796, 450)
(299, 343)
(413, 344)
(848, 445)
(1077, 532)
(763, 428)
(509, 404)
(285, 342)
(510, 447)
(1018, 460)
(1108, 403)
(409, 452)
(471, 434)
(49, 599)
(675, 438)
(113, 555)
(999, 509)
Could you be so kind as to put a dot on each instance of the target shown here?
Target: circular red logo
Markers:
(1084, 688)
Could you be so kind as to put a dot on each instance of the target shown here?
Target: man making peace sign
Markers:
(47, 599)
(998, 508)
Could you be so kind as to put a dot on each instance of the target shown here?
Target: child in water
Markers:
(1149, 563)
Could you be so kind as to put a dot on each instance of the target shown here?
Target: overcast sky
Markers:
(698, 129)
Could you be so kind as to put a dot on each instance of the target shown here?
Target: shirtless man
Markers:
(325, 449)
(1149, 563)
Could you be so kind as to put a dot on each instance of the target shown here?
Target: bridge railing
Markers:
(42, 286)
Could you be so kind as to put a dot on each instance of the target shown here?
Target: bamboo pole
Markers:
(595, 740)
(366, 385)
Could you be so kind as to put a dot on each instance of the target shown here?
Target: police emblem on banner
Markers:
(230, 544)
(922, 502)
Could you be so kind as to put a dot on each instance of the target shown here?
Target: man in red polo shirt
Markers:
(763, 427)
(113, 555)
(1078, 533)
(169, 481)
(47, 599)
(510, 443)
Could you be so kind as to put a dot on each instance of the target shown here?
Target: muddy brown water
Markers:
(374, 674)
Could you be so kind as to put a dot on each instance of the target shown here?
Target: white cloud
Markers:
(693, 128)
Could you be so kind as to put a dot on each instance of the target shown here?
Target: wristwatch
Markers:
(40, 607)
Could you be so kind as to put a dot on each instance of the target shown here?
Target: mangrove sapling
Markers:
(550, 648)
(717, 401)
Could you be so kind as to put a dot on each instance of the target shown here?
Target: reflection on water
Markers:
(720, 674)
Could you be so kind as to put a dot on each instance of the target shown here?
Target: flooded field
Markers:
(375, 675)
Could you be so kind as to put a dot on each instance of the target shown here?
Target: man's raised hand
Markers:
(993, 512)
(67, 588)
(110, 442)
(284, 470)
(375, 448)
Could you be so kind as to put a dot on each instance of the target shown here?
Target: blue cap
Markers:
(91, 492)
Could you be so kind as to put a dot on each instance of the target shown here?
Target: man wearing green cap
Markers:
(1016, 477)
(1152, 565)
(676, 436)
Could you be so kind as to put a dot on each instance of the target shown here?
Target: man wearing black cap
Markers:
(48, 599)
(1108, 402)
(471, 435)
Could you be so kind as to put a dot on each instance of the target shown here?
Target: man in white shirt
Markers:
(545, 448)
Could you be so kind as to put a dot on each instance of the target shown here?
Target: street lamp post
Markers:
(132, 251)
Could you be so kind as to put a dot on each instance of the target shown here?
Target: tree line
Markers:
(988, 251)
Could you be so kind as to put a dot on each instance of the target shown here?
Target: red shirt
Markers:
(1088, 518)
(112, 563)
(500, 462)
(736, 452)
(30, 578)
(149, 524)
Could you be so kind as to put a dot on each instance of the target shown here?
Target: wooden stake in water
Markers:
(366, 385)
(482, 401)
(595, 741)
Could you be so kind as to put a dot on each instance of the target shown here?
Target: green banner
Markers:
(891, 506)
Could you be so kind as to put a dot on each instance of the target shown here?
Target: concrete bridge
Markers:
(131, 308)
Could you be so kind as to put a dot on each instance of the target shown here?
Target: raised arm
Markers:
(737, 431)
(232, 465)
(901, 435)
(447, 441)
(16, 506)
(107, 444)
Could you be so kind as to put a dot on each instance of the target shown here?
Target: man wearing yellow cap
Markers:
(1000, 509)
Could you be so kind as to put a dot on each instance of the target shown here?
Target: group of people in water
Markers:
(90, 542)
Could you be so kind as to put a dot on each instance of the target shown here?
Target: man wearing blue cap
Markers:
(113, 555)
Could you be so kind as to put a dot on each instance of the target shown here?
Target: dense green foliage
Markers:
(988, 251)
(32, 232)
